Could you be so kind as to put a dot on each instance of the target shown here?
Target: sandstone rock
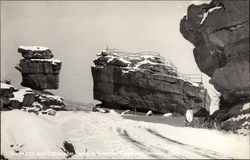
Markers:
(38, 70)
(36, 66)
(39, 52)
(240, 109)
(239, 124)
(220, 33)
(7, 90)
(50, 101)
(40, 74)
(201, 113)
(137, 84)
(41, 81)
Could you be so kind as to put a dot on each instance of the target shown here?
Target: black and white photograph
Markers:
(110, 79)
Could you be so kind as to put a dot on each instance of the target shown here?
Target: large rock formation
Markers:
(144, 82)
(38, 70)
(220, 33)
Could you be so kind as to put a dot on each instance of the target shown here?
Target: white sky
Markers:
(77, 31)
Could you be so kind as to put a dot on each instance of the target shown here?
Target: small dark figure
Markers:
(68, 148)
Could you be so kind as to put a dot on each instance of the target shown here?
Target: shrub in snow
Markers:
(208, 122)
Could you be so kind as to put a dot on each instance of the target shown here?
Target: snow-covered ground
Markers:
(97, 135)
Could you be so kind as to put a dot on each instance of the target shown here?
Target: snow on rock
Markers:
(6, 86)
(53, 61)
(39, 71)
(240, 117)
(245, 107)
(105, 136)
(144, 80)
(168, 115)
(34, 48)
(209, 12)
(29, 52)
(19, 95)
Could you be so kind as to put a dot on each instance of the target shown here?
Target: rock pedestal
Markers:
(39, 71)
(144, 83)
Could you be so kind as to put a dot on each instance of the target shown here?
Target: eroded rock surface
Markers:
(38, 70)
(144, 82)
(29, 100)
(220, 33)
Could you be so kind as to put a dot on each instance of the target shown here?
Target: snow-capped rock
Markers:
(38, 70)
(29, 52)
(145, 81)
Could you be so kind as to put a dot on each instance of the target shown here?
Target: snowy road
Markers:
(96, 135)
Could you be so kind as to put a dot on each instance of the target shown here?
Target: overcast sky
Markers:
(77, 31)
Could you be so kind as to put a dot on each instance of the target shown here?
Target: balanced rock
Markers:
(38, 70)
(144, 82)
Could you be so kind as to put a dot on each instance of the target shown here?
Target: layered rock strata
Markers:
(144, 83)
(220, 33)
(38, 70)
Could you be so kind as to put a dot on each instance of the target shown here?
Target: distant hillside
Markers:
(78, 106)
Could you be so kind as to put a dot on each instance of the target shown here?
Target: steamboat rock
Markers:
(145, 82)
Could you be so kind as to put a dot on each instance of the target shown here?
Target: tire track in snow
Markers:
(200, 151)
(138, 144)
(124, 134)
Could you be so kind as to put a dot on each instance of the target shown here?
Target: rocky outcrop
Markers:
(145, 82)
(38, 70)
(220, 33)
(29, 100)
(12, 98)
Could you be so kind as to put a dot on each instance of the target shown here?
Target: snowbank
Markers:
(32, 136)
(97, 135)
